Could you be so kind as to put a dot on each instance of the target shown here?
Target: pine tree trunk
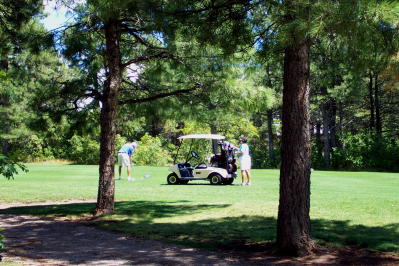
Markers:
(340, 117)
(270, 135)
(293, 224)
(329, 111)
(4, 146)
(318, 133)
(340, 127)
(371, 100)
(4, 102)
(333, 123)
(106, 188)
(326, 133)
(157, 125)
(214, 141)
(378, 123)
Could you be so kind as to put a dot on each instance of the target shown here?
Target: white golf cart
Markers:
(221, 169)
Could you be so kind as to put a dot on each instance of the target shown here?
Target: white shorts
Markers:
(245, 162)
(123, 159)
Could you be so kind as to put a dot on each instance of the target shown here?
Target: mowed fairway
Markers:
(347, 208)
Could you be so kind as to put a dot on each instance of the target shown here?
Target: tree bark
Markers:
(326, 133)
(157, 125)
(329, 112)
(333, 123)
(4, 101)
(214, 141)
(378, 123)
(106, 188)
(270, 135)
(371, 100)
(293, 224)
(318, 132)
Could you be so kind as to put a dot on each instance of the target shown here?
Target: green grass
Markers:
(347, 208)
(9, 263)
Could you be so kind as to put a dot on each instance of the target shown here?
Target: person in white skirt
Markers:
(245, 161)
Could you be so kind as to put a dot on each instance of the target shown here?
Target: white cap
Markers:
(134, 144)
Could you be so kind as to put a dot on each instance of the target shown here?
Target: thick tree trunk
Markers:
(106, 188)
(270, 135)
(378, 123)
(371, 100)
(293, 224)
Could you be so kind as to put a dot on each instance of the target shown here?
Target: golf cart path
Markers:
(45, 241)
(40, 241)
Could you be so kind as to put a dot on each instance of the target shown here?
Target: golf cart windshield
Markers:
(199, 144)
(203, 136)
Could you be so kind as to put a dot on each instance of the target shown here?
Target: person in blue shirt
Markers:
(245, 161)
(125, 158)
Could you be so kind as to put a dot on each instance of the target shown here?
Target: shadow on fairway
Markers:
(343, 233)
(138, 218)
(140, 210)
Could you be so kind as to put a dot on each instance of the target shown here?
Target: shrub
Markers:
(83, 150)
(2, 245)
(366, 151)
(151, 152)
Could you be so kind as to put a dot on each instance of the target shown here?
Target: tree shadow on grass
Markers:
(144, 211)
(232, 232)
(342, 233)
(138, 218)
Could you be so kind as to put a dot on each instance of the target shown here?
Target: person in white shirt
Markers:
(245, 161)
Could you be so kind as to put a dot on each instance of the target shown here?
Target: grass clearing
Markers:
(347, 208)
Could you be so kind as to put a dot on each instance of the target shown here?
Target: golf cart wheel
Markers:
(215, 179)
(172, 179)
(228, 181)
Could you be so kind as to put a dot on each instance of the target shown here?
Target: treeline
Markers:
(360, 150)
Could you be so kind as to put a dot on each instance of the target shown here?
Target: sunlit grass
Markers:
(359, 208)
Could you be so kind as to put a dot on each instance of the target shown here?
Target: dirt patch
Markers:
(60, 241)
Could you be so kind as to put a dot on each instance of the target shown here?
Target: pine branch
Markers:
(146, 58)
(161, 95)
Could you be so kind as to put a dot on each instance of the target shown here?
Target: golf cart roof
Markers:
(202, 136)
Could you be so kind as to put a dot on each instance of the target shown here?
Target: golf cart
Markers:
(221, 169)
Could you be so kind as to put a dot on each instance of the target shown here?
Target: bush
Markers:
(151, 152)
(83, 150)
(366, 151)
(2, 245)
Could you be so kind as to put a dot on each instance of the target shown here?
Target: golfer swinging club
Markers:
(125, 158)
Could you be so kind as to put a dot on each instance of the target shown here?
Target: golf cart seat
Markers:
(186, 170)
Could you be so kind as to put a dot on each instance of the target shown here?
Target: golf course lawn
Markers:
(347, 208)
